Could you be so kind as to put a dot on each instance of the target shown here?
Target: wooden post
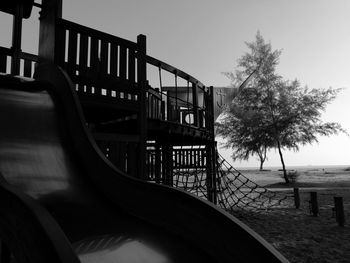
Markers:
(157, 163)
(313, 203)
(296, 198)
(195, 104)
(167, 164)
(209, 171)
(48, 42)
(210, 119)
(17, 39)
(339, 210)
(142, 115)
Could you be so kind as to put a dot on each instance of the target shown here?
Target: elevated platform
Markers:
(79, 208)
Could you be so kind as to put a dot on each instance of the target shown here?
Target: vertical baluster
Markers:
(72, 53)
(104, 65)
(27, 72)
(195, 103)
(60, 46)
(114, 60)
(131, 66)
(94, 63)
(157, 163)
(104, 57)
(3, 63)
(122, 63)
(191, 158)
(83, 62)
(132, 159)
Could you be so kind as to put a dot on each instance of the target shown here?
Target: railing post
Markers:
(48, 42)
(195, 104)
(157, 163)
(142, 115)
(313, 203)
(17, 39)
(296, 198)
(339, 210)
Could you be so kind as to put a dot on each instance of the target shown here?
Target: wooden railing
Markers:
(181, 158)
(176, 109)
(99, 64)
(25, 61)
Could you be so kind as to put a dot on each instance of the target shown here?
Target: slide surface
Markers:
(63, 201)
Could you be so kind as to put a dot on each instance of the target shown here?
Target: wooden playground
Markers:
(95, 163)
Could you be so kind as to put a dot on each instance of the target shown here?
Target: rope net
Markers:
(234, 191)
(237, 192)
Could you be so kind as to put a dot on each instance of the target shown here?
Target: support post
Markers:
(167, 164)
(157, 163)
(296, 198)
(17, 39)
(142, 114)
(48, 42)
(313, 204)
(195, 104)
(339, 210)
(209, 171)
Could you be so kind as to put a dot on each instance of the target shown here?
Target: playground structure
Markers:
(156, 137)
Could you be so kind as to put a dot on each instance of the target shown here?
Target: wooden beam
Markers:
(142, 115)
(48, 42)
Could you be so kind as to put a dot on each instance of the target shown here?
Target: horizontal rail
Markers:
(96, 33)
(24, 62)
(158, 63)
(98, 63)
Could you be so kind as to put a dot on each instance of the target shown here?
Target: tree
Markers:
(271, 112)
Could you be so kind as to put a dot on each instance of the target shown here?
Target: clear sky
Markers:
(206, 37)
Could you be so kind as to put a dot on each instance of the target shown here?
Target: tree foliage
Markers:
(271, 112)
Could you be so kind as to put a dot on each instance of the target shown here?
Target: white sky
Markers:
(206, 37)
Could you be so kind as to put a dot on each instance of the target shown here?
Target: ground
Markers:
(298, 235)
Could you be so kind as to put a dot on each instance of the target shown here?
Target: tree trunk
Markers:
(261, 164)
(262, 157)
(282, 161)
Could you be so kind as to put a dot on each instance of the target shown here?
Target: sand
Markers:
(298, 235)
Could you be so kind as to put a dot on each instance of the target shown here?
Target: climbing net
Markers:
(234, 191)
(237, 192)
(189, 170)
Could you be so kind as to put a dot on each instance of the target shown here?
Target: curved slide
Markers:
(62, 201)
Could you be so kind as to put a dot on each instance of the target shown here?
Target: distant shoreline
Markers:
(294, 167)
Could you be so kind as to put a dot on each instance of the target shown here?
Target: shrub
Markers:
(293, 175)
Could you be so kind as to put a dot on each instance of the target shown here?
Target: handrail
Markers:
(23, 55)
(96, 33)
(158, 63)
(25, 61)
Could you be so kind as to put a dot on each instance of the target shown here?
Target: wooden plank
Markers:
(3, 63)
(83, 61)
(27, 68)
(157, 164)
(72, 52)
(122, 63)
(104, 57)
(195, 103)
(132, 159)
(131, 65)
(83, 55)
(94, 63)
(95, 33)
(114, 60)
(60, 46)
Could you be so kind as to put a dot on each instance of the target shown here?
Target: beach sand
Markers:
(298, 235)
